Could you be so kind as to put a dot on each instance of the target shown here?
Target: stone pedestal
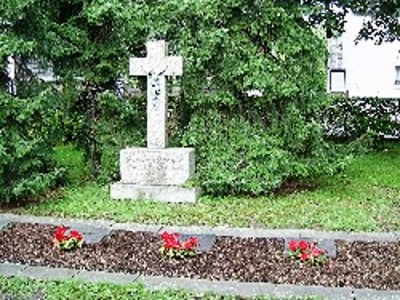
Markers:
(156, 174)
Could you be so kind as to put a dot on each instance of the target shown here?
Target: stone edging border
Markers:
(197, 286)
(201, 286)
(218, 230)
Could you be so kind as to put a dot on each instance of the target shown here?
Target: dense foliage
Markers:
(245, 142)
(382, 24)
(103, 126)
(249, 143)
(354, 118)
(28, 133)
(87, 44)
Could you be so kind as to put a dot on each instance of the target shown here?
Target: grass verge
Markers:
(21, 288)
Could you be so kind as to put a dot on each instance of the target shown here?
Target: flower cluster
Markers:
(65, 240)
(174, 248)
(307, 252)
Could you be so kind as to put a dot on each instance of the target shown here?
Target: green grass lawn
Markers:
(71, 289)
(364, 198)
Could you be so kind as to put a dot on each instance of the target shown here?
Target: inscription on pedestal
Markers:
(172, 166)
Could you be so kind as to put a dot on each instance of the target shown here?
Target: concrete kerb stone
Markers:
(106, 277)
(219, 230)
(361, 236)
(4, 223)
(47, 273)
(263, 233)
(253, 289)
(196, 286)
(10, 269)
(55, 220)
(73, 222)
(285, 233)
(188, 229)
(136, 227)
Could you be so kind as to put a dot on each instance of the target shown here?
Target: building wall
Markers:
(370, 70)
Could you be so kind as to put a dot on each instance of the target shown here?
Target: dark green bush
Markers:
(29, 129)
(245, 144)
(122, 125)
(101, 125)
(249, 144)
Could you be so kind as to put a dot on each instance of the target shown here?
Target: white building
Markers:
(363, 69)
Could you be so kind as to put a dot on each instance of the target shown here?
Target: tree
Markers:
(245, 144)
(249, 143)
(382, 26)
(89, 40)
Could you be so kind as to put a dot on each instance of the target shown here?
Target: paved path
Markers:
(198, 286)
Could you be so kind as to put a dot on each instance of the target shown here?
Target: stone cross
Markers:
(156, 66)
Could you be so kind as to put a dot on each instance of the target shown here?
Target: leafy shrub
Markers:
(122, 125)
(353, 118)
(245, 144)
(28, 132)
(235, 156)
(102, 125)
(249, 143)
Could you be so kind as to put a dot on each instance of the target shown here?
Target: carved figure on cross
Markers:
(156, 66)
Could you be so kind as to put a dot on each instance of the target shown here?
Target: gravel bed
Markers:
(373, 265)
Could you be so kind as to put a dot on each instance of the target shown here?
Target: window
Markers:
(337, 81)
(397, 78)
(337, 72)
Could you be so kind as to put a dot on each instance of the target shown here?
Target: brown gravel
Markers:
(357, 265)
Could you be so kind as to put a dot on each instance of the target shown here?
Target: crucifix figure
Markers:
(156, 66)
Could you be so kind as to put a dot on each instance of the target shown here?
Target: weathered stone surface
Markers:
(46, 273)
(35, 296)
(100, 276)
(206, 240)
(91, 234)
(137, 227)
(156, 66)
(10, 269)
(142, 166)
(201, 287)
(155, 193)
(218, 230)
(4, 223)
(323, 244)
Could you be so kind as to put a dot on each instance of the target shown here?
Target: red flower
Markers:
(173, 245)
(304, 245)
(316, 252)
(174, 248)
(304, 256)
(166, 236)
(293, 245)
(191, 244)
(75, 234)
(60, 233)
(171, 241)
(307, 252)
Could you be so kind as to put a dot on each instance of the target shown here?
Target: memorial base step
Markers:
(128, 191)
